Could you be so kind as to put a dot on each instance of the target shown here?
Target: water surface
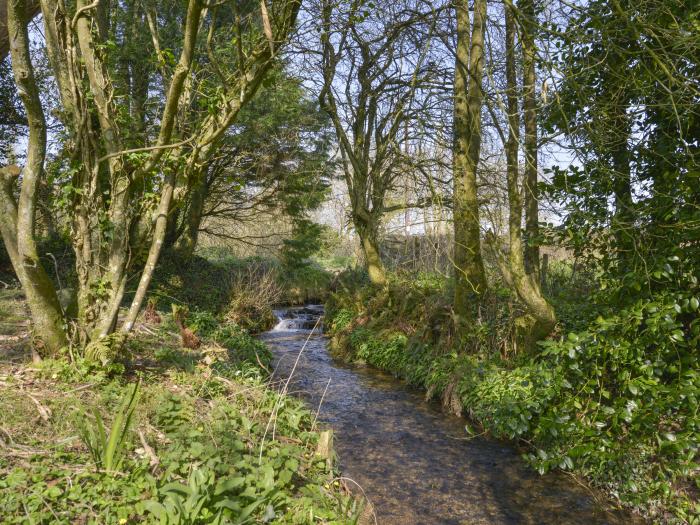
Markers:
(415, 463)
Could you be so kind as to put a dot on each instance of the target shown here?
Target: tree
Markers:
(540, 318)
(470, 278)
(274, 162)
(17, 222)
(528, 26)
(116, 158)
(373, 73)
(626, 107)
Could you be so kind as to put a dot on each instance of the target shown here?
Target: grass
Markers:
(185, 448)
(13, 313)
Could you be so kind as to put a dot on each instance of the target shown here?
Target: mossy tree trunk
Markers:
(367, 231)
(470, 278)
(192, 218)
(540, 318)
(532, 208)
(615, 105)
(19, 217)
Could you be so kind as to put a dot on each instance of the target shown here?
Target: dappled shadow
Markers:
(15, 328)
(158, 350)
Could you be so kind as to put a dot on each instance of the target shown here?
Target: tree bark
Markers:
(192, 220)
(616, 104)
(540, 318)
(367, 232)
(39, 290)
(532, 224)
(470, 279)
(31, 10)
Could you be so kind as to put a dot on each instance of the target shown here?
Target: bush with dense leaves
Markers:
(616, 401)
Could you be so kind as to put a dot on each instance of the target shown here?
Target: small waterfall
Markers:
(298, 319)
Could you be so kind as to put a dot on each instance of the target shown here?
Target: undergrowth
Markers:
(170, 436)
(615, 401)
(243, 291)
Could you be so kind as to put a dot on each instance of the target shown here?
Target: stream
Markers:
(415, 463)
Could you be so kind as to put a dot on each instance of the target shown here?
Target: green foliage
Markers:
(200, 500)
(105, 350)
(212, 458)
(341, 319)
(634, 375)
(107, 450)
(78, 370)
(305, 242)
(241, 346)
(203, 322)
(616, 401)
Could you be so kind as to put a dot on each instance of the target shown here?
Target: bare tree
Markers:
(373, 74)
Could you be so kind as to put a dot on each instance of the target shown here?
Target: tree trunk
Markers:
(367, 232)
(194, 11)
(187, 242)
(540, 318)
(18, 227)
(470, 279)
(617, 138)
(31, 10)
(622, 220)
(532, 224)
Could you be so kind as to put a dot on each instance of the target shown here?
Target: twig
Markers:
(153, 459)
(318, 410)
(80, 388)
(55, 265)
(44, 412)
(364, 495)
(148, 148)
(144, 328)
(257, 358)
(468, 438)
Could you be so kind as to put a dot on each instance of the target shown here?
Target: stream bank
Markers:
(415, 463)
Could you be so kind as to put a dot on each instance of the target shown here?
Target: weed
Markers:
(107, 450)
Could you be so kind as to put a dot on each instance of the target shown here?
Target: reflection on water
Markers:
(414, 462)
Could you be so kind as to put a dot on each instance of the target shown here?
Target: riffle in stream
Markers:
(416, 464)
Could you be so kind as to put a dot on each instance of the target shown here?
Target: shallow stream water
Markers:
(416, 464)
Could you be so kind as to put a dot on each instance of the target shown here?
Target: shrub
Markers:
(242, 291)
(241, 346)
(616, 401)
